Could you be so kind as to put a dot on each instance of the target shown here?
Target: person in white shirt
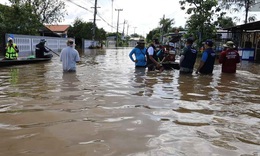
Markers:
(152, 60)
(69, 57)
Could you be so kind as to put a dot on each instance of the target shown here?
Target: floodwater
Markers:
(109, 108)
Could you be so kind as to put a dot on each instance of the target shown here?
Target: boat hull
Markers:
(171, 65)
(4, 63)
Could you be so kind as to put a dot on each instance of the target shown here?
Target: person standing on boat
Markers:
(69, 57)
(188, 58)
(229, 58)
(11, 50)
(140, 54)
(207, 61)
(152, 62)
(40, 50)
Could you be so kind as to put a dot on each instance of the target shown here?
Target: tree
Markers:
(80, 29)
(225, 22)
(101, 35)
(166, 24)
(201, 24)
(48, 11)
(155, 33)
(239, 5)
(18, 19)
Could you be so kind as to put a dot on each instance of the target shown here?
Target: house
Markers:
(247, 37)
(61, 30)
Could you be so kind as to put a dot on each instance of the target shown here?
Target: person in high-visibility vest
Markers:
(11, 50)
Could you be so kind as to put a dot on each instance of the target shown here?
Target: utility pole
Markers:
(118, 10)
(127, 29)
(123, 34)
(134, 29)
(162, 29)
(94, 23)
(112, 16)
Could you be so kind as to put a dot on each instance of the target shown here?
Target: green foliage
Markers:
(82, 30)
(155, 33)
(239, 6)
(18, 19)
(166, 24)
(48, 11)
(225, 22)
(100, 34)
(134, 35)
(201, 25)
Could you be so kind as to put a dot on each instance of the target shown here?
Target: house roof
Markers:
(47, 32)
(58, 28)
(248, 26)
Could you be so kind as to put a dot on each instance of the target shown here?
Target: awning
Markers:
(248, 26)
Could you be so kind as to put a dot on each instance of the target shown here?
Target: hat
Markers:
(209, 43)
(229, 44)
(42, 40)
(141, 41)
(9, 39)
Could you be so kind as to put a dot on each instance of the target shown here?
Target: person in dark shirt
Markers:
(188, 58)
(40, 50)
(229, 58)
(152, 59)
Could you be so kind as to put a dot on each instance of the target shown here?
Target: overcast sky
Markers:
(141, 16)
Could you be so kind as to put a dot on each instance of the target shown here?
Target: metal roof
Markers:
(248, 26)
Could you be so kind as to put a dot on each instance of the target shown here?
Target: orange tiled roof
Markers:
(58, 28)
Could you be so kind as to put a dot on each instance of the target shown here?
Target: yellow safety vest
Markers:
(10, 52)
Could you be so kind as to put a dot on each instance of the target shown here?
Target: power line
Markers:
(91, 12)
(79, 5)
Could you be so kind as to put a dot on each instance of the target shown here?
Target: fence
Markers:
(26, 43)
(89, 43)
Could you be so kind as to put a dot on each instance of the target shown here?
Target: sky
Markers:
(139, 16)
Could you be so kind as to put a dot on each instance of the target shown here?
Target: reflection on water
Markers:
(109, 107)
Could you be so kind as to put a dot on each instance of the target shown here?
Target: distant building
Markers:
(247, 38)
(133, 41)
(61, 30)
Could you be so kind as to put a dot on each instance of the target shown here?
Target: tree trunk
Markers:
(247, 5)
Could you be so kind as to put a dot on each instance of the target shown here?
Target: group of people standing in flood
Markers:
(147, 57)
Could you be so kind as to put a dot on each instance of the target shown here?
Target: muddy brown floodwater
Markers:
(108, 108)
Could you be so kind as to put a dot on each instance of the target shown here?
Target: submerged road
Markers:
(108, 108)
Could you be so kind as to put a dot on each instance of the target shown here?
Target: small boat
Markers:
(22, 61)
(170, 65)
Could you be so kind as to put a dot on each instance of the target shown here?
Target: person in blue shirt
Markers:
(207, 61)
(140, 54)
